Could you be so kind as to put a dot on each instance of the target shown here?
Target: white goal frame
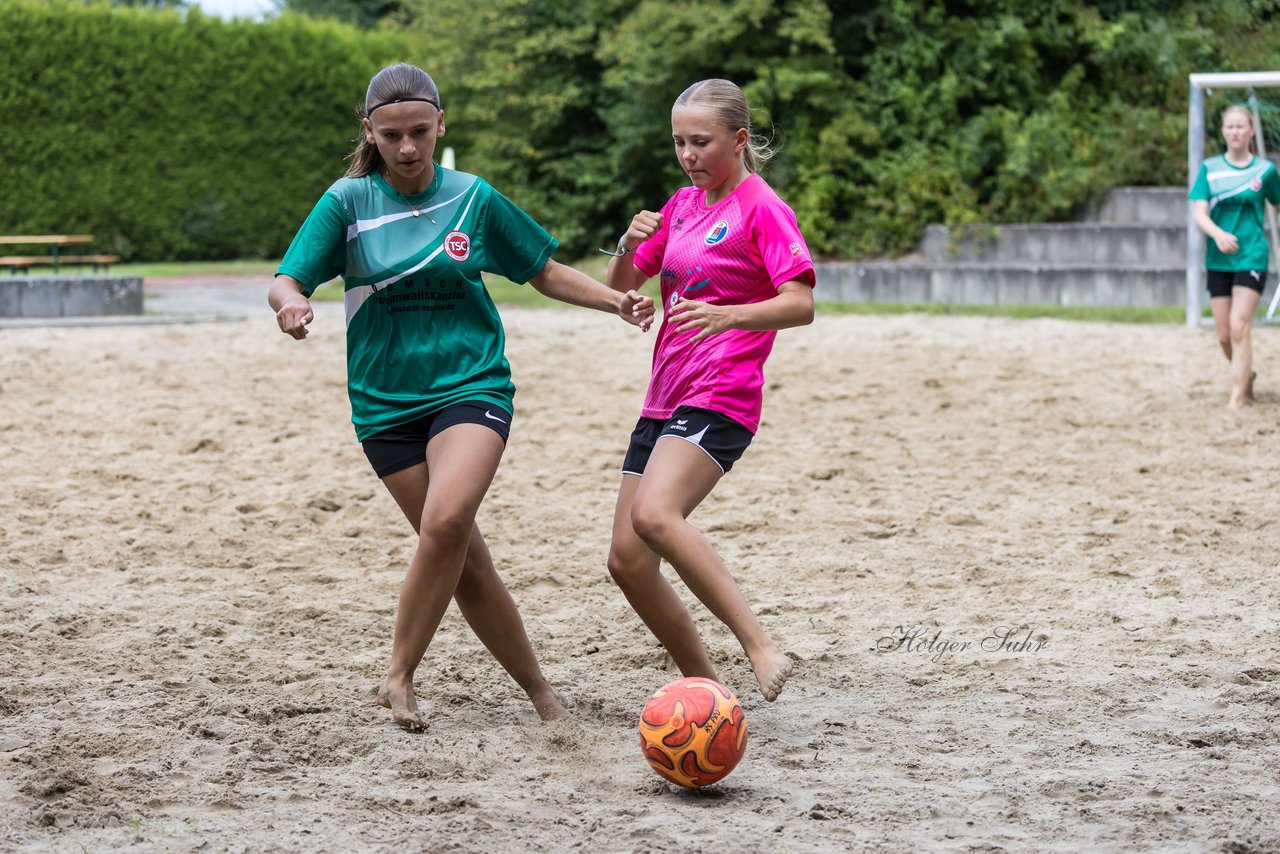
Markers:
(1195, 155)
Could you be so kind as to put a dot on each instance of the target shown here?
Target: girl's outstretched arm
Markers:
(566, 284)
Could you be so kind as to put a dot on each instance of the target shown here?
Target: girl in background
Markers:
(1228, 193)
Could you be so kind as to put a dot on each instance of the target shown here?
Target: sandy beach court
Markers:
(1027, 570)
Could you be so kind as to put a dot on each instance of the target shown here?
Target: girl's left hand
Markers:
(708, 318)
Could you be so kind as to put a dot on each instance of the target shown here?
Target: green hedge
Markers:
(170, 135)
(174, 136)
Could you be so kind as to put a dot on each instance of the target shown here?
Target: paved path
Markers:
(223, 298)
(187, 299)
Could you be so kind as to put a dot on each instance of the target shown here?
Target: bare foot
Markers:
(549, 704)
(1235, 402)
(1248, 390)
(403, 706)
(772, 669)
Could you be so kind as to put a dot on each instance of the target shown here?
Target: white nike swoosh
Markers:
(488, 414)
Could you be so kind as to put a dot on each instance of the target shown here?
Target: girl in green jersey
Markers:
(430, 386)
(1228, 194)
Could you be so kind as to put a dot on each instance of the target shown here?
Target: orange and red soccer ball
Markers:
(693, 731)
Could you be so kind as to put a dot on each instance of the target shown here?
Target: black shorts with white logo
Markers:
(719, 436)
(1221, 282)
(397, 448)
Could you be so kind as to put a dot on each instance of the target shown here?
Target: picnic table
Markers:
(55, 258)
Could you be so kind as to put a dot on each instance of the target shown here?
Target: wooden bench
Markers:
(55, 258)
(16, 263)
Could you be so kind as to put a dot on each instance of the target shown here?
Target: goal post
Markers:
(1195, 155)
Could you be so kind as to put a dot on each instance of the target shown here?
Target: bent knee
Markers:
(628, 567)
(447, 528)
(653, 524)
(1240, 328)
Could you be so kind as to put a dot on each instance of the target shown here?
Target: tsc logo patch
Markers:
(717, 233)
(457, 245)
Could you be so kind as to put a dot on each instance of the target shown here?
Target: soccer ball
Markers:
(693, 731)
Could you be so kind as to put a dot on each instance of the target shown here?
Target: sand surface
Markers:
(198, 576)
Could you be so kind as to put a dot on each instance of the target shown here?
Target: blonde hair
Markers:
(1248, 115)
(728, 103)
(1238, 108)
(402, 82)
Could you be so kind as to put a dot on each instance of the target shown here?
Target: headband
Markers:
(432, 101)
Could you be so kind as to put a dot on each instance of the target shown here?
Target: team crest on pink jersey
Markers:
(457, 245)
(795, 250)
(717, 233)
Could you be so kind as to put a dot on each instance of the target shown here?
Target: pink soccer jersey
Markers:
(735, 252)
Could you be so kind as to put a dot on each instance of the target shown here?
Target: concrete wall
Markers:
(979, 284)
(1143, 205)
(70, 296)
(1130, 251)
(1059, 243)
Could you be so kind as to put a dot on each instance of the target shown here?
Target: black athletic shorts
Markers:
(397, 448)
(1222, 281)
(719, 436)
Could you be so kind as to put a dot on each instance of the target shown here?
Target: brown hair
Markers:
(394, 83)
(730, 107)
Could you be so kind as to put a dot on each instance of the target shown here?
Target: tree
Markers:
(891, 114)
(363, 13)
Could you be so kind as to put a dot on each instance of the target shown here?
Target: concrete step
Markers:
(1058, 243)
(70, 296)
(1142, 206)
(977, 283)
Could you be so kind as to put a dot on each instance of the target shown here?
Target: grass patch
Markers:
(194, 269)
(198, 268)
(1094, 313)
(505, 292)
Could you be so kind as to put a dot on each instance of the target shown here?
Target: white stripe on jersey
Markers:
(1233, 173)
(361, 225)
(355, 297)
(1245, 176)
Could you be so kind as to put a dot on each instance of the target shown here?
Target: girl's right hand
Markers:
(643, 226)
(294, 316)
(1227, 243)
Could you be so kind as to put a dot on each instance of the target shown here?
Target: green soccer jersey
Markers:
(1235, 195)
(422, 331)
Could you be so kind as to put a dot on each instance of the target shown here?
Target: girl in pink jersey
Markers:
(734, 269)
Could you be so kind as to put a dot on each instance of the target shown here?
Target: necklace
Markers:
(417, 209)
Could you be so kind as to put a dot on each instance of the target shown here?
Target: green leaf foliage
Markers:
(171, 135)
(362, 13)
(890, 114)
